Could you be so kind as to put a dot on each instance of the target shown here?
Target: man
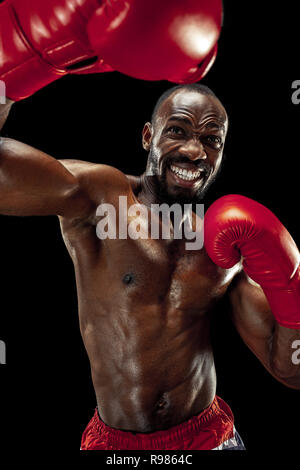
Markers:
(145, 303)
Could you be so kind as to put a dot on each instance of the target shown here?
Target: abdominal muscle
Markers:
(144, 384)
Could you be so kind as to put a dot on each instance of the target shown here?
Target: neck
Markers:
(150, 192)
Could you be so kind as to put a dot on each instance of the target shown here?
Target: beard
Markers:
(179, 194)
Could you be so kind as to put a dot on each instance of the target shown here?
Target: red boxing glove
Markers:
(236, 226)
(40, 41)
(173, 40)
(151, 39)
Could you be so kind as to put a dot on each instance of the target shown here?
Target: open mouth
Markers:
(186, 176)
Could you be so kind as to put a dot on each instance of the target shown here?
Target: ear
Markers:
(147, 135)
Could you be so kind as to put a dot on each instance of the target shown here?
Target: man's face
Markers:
(186, 144)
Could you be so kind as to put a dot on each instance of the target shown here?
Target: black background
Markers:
(46, 387)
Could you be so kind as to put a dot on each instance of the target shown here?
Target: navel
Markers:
(162, 403)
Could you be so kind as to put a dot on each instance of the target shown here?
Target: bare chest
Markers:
(152, 272)
(137, 268)
(168, 272)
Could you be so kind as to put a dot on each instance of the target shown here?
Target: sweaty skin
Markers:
(145, 305)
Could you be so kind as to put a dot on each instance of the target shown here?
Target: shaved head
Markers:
(197, 87)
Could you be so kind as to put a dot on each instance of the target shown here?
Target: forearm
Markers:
(274, 345)
(266, 315)
(284, 360)
(4, 111)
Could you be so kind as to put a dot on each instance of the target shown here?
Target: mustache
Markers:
(198, 164)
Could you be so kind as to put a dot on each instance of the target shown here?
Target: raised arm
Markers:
(33, 183)
(265, 298)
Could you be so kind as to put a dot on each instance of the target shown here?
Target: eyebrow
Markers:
(185, 120)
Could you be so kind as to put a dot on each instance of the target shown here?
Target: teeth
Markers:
(185, 174)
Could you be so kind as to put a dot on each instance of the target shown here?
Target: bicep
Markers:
(34, 183)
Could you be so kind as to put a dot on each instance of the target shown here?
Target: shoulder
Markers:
(98, 180)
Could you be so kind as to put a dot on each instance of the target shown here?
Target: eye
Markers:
(214, 140)
(175, 130)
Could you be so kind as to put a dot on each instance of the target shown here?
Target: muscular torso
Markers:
(144, 309)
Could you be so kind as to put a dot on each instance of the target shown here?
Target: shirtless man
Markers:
(145, 304)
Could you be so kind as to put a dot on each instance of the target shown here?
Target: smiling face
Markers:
(185, 144)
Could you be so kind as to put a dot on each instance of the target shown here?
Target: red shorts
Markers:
(211, 429)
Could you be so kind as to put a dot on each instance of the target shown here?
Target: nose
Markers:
(193, 150)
